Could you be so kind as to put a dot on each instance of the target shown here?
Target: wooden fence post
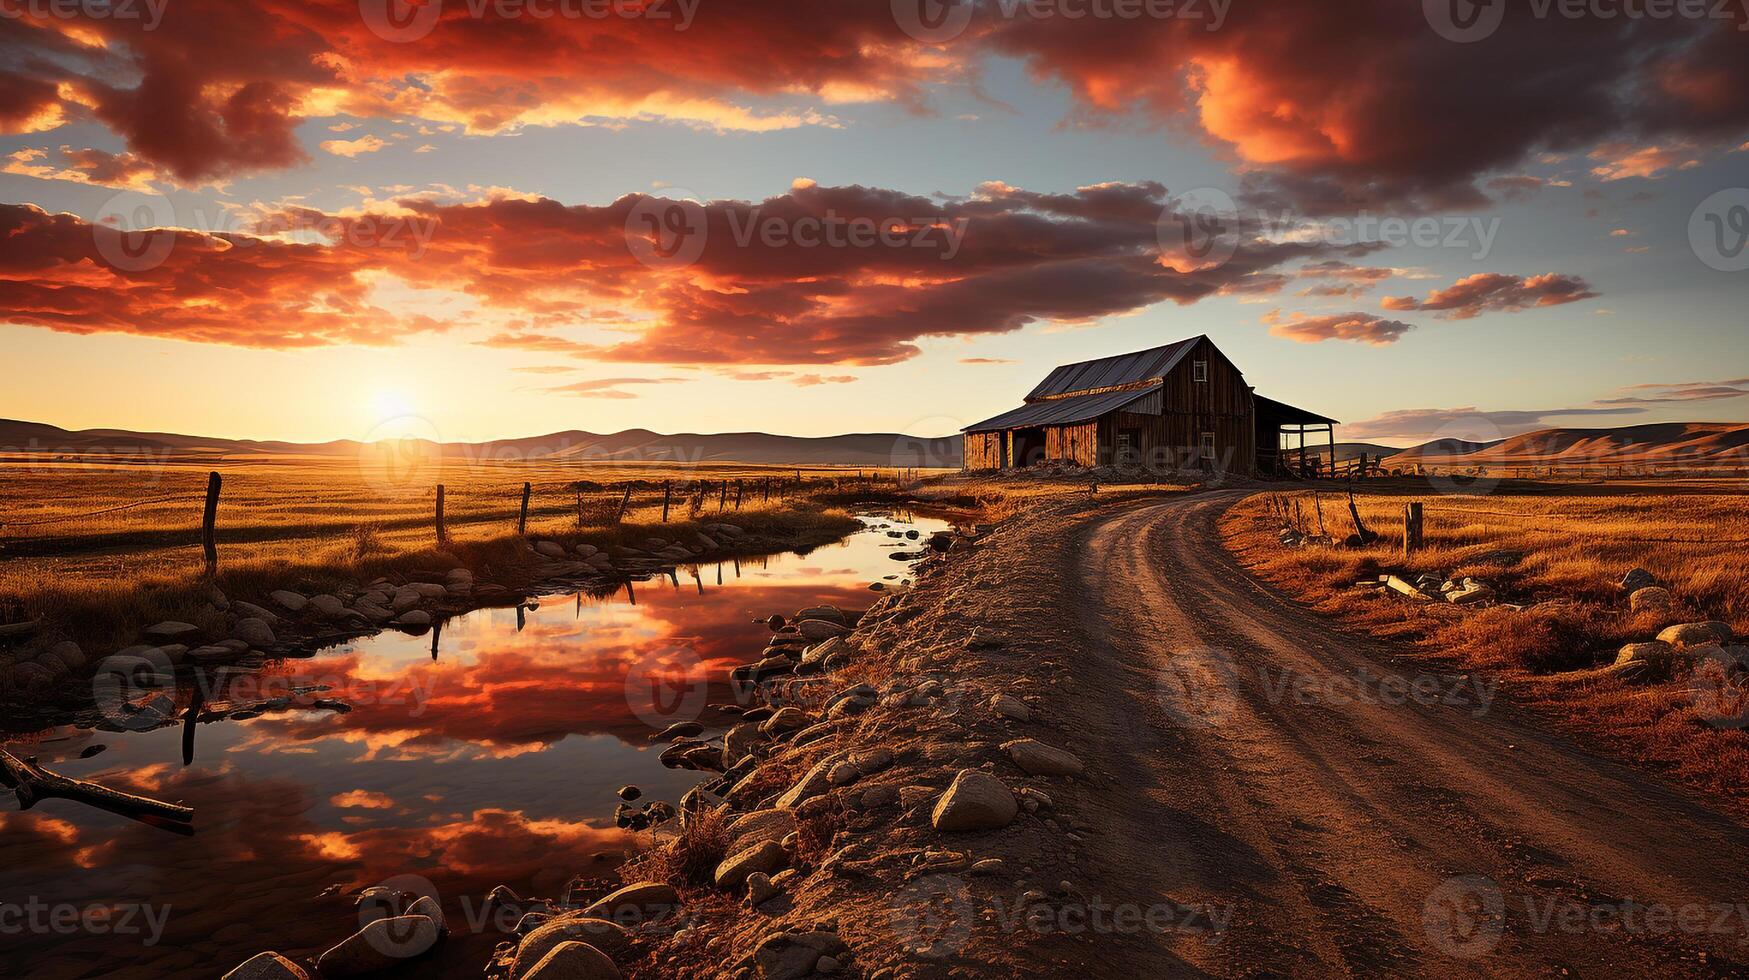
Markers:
(442, 532)
(208, 524)
(737, 493)
(1413, 528)
(667, 495)
(722, 496)
(579, 488)
(768, 489)
(522, 518)
(623, 501)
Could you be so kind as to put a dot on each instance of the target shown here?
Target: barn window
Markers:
(1200, 371)
(1208, 445)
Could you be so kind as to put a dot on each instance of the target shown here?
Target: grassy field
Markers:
(289, 519)
(1560, 553)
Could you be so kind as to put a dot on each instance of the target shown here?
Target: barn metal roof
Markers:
(1061, 411)
(1109, 372)
(1281, 413)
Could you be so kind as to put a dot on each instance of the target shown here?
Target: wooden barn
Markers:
(1181, 406)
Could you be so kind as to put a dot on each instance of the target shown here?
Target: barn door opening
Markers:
(1029, 447)
(1127, 451)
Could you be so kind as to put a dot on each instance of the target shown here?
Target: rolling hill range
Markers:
(632, 445)
(1657, 444)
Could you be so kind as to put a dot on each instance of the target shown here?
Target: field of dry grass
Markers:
(1560, 554)
(312, 520)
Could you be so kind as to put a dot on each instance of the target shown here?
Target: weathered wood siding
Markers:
(1073, 443)
(983, 451)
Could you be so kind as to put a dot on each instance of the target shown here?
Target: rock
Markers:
(733, 872)
(267, 966)
(813, 783)
(550, 549)
(68, 653)
(289, 601)
(249, 610)
(828, 965)
(1637, 579)
(793, 955)
(739, 743)
(610, 938)
(759, 827)
(405, 598)
(414, 618)
(1653, 598)
(1655, 652)
(861, 697)
(428, 590)
(173, 632)
(974, 801)
(680, 729)
(824, 613)
(843, 774)
(382, 945)
(636, 903)
(574, 961)
(814, 657)
(213, 654)
(816, 630)
(1696, 634)
(630, 793)
(785, 720)
(760, 888)
(427, 906)
(1038, 759)
(1009, 706)
(254, 632)
(372, 611)
(1470, 594)
(328, 606)
(872, 761)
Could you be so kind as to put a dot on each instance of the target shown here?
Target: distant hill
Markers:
(1442, 448)
(632, 445)
(1351, 450)
(1656, 444)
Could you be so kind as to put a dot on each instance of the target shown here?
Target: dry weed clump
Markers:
(688, 861)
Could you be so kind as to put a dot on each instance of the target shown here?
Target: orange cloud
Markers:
(1491, 292)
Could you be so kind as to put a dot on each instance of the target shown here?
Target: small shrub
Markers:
(365, 543)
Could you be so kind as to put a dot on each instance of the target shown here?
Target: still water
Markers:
(496, 762)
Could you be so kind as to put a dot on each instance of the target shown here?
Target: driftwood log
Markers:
(33, 783)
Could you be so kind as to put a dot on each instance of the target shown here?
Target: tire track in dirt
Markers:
(1340, 831)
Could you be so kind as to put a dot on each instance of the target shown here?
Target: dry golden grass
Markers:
(1562, 556)
(313, 522)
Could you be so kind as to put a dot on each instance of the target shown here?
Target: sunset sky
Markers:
(385, 213)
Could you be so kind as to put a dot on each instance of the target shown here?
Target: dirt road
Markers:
(1317, 805)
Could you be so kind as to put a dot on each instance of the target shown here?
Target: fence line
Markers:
(612, 502)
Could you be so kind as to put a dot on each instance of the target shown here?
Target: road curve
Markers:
(1330, 818)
